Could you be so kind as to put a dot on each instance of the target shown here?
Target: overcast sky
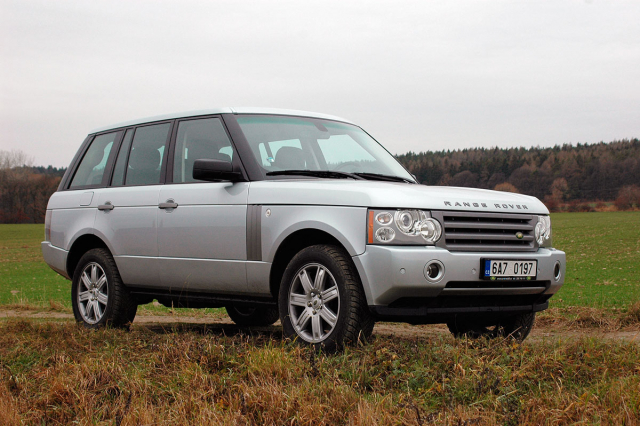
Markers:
(418, 76)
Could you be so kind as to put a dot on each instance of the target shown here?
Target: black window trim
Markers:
(112, 171)
(243, 159)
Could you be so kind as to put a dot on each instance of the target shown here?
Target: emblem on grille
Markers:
(519, 235)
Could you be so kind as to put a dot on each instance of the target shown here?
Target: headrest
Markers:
(144, 158)
(289, 157)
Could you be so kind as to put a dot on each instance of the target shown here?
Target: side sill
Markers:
(182, 299)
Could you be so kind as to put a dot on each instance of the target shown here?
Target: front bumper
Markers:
(55, 257)
(395, 284)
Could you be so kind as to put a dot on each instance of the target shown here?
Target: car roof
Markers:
(223, 110)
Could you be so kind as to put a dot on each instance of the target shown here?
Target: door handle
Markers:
(106, 206)
(170, 204)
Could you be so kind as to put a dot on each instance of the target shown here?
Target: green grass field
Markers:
(603, 256)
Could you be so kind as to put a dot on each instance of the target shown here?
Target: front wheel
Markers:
(517, 327)
(98, 296)
(321, 300)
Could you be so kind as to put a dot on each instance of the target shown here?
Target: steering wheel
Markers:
(342, 166)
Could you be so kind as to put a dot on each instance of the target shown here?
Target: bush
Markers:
(579, 206)
(552, 204)
(628, 198)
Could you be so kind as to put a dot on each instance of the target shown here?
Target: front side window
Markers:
(91, 168)
(145, 159)
(282, 144)
(198, 140)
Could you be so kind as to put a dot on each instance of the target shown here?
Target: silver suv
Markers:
(290, 215)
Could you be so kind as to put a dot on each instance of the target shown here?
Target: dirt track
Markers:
(225, 325)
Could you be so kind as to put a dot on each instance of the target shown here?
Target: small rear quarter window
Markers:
(91, 169)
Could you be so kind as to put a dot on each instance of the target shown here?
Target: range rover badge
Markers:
(519, 235)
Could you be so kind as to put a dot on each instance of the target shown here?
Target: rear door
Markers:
(74, 207)
(128, 209)
(202, 227)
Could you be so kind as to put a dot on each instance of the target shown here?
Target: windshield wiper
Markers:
(330, 174)
(379, 176)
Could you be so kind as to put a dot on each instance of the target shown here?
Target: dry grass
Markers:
(59, 373)
(580, 317)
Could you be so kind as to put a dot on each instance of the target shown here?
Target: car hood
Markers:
(378, 194)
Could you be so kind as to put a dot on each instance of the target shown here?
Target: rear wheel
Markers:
(517, 327)
(98, 296)
(321, 300)
(252, 316)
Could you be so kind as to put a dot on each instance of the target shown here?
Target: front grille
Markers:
(471, 231)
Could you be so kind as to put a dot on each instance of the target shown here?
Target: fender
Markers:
(345, 224)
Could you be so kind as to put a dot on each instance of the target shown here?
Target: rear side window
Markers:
(147, 149)
(91, 168)
(197, 140)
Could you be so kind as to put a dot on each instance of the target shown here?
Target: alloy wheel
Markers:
(93, 293)
(314, 303)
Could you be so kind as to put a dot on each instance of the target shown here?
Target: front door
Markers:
(202, 225)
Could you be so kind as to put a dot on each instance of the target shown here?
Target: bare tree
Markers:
(14, 158)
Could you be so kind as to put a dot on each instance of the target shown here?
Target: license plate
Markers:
(509, 269)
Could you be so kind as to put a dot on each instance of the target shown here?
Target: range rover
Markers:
(292, 216)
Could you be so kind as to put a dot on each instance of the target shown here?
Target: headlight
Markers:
(542, 231)
(408, 221)
(402, 227)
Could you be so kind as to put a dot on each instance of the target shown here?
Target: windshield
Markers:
(281, 143)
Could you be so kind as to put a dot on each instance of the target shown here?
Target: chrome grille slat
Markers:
(485, 225)
(485, 236)
(471, 231)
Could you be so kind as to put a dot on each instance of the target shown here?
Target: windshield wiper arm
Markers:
(379, 176)
(330, 174)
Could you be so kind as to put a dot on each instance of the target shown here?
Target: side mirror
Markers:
(215, 170)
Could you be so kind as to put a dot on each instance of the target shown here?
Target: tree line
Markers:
(560, 176)
(25, 189)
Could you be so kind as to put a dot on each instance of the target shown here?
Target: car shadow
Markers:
(222, 330)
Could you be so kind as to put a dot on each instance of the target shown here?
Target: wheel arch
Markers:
(79, 247)
(291, 245)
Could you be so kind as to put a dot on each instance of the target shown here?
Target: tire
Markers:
(97, 282)
(517, 327)
(321, 300)
(252, 316)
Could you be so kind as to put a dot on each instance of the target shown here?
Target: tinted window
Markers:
(269, 151)
(341, 149)
(296, 143)
(197, 140)
(91, 168)
(118, 173)
(147, 149)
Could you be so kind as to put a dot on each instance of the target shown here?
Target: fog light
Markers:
(434, 271)
(557, 271)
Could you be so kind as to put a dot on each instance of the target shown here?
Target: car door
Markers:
(74, 208)
(202, 225)
(128, 209)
